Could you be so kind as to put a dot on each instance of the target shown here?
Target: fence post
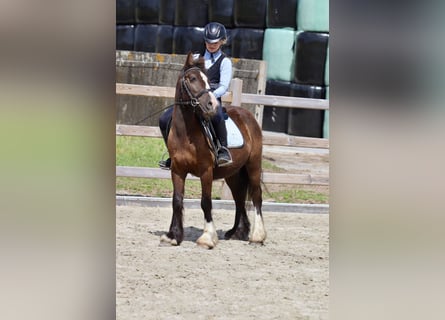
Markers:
(226, 193)
(237, 90)
(261, 90)
(236, 87)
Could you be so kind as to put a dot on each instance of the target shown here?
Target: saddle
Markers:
(234, 136)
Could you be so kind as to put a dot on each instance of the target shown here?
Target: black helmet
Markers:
(214, 31)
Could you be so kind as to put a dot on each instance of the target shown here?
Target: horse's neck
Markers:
(184, 121)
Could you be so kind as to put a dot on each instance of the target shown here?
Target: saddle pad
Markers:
(234, 136)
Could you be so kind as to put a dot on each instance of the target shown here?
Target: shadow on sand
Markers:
(190, 233)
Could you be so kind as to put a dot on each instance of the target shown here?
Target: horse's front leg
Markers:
(175, 234)
(209, 238)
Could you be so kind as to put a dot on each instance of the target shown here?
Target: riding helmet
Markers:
(214, 31)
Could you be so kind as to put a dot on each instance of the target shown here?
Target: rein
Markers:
(194, 102)
(152, 114)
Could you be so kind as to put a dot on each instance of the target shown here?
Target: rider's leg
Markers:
(164, 121)
(224, 157)
(164, 125)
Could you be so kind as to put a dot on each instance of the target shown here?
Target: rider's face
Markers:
(213, 47)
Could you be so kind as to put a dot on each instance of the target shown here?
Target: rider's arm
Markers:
(225, 77)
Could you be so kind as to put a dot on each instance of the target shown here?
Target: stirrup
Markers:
(165, 164)
(223, 162)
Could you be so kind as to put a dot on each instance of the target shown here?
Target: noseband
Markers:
(194, 100)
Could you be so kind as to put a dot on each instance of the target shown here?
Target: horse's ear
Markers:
(190, 61)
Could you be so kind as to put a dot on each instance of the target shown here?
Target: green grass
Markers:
(270, 167)
(139, 151)
(306, 196)
(146, 152)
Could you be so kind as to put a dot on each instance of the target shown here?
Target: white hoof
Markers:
(258, 233)
(209, 238)
(257, 238)
(166, 240)
(205, 242)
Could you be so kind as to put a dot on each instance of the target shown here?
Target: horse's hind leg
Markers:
(258, 232)
(238, 185)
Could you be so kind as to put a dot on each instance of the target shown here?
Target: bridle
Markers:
(194, 100)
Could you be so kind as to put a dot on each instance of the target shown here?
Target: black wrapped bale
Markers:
(164, 39)
(227, 48)
(307, 91)
(250, 14)
(310, 58)
(147, 11)
(306, 122)
(275, 118)
(247, 43)
(191, 13)
(326, 69)
(187, 39)
(124, 37)
(145, 37)
(167, 12)
(125, 12)
(281, 14)
(221, 11)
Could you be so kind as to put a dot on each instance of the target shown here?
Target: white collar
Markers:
(216, 55)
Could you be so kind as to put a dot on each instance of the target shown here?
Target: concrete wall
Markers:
(158, 69)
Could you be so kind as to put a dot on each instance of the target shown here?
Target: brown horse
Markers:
(190, 153)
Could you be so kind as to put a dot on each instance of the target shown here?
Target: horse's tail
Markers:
(263, 188)
(249, 204)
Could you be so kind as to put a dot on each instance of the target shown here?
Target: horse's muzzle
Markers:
(209, 105)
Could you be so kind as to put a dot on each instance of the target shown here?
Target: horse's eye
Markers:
(192, 79)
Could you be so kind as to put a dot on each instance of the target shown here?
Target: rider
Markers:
(219, 73)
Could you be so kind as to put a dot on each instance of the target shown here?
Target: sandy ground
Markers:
(287, 278)
(298, 160)
(314, 161)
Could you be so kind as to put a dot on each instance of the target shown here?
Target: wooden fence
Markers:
(235, 97)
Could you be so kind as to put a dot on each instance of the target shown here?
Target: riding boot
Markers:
(164, 125)
(165, 164)
(164, 134)
(224, 157)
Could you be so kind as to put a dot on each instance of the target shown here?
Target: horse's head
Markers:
(194, 88)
